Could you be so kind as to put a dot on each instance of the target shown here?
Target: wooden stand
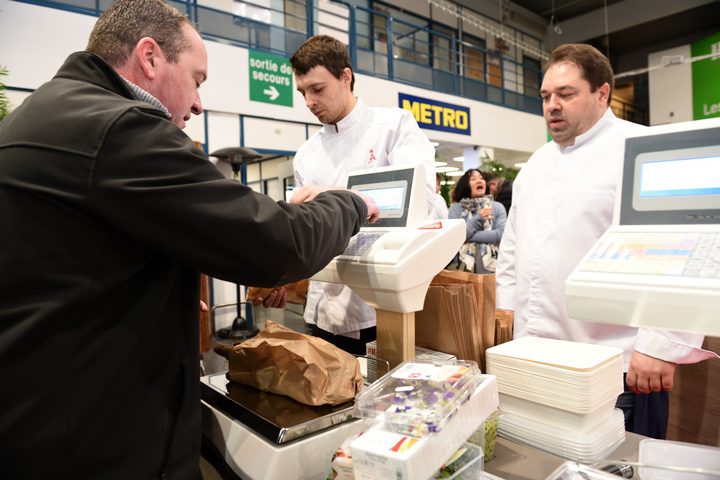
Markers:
(395, 336)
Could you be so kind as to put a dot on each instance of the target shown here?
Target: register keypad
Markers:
(361, 243)
(685, 254)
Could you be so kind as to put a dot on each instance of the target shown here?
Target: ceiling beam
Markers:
(620, 16)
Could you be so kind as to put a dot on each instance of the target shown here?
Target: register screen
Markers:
(389, 197)
(688, 176)
(678, 180)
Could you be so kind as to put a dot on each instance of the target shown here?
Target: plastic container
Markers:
(575, 471)
(390, 455)
(485, 436)
(466, 464)
(579, 422)
(581, 447)
(665, 453)
(418, 398)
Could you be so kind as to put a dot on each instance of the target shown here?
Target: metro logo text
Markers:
(435, 115)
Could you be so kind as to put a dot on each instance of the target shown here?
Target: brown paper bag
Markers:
(296, 292)
(503, 327)
(305, 368)
(458, 316)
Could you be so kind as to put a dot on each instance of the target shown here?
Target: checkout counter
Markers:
(658, 266)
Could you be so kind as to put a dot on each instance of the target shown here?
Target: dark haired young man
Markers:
(354, 136)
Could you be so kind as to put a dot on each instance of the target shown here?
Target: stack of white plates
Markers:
(559, 396)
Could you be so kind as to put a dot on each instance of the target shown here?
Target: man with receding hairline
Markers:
(109, 213)
(562, 203)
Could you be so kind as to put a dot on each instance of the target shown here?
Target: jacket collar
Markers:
(88, 67)
(354, 117)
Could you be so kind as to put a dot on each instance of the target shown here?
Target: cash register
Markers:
(658, 265)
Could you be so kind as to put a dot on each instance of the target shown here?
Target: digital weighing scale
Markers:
(390, 265)
(659, 263)
(266, 436)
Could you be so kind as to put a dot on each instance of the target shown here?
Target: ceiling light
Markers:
(447, 170)
(456, 173)
(555, 24)
(440, 164)
(459, 159)
(521, 164)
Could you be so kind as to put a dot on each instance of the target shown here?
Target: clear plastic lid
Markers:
(417, 398)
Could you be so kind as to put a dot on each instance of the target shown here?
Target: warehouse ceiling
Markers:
(627, 31)
(634, 27)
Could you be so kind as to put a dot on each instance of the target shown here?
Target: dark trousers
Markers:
(350, 345)
(645, 414)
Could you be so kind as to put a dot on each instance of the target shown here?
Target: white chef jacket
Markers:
(563, 202)
(440, 208)
(367, 137)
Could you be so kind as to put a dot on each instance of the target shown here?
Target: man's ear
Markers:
(148, 52)
(347, 76)
(604, 93)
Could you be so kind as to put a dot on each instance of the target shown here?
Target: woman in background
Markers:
(485, 220)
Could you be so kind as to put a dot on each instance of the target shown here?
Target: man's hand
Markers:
(373, 210)
(277, 298)
(308, 193)
(649, 374)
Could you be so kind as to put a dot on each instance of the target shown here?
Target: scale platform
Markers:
(260, 435)
(277, 418)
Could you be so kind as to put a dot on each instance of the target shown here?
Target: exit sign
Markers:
(270, 79)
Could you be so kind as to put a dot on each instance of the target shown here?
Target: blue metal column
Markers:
(310, 18)
(391, 68)
(352, 40)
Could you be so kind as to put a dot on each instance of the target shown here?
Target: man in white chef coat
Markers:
(563, 202)
(354, 136)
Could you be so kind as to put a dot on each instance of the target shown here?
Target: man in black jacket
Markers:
(108, 214)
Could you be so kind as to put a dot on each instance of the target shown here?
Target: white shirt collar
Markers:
(604, 122)
(352, 118)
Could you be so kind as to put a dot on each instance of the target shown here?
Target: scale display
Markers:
(389, 197)
(682, 179)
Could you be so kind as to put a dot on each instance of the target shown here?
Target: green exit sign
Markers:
(270, 79)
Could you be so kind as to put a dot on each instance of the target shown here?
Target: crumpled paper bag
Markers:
(305, 368)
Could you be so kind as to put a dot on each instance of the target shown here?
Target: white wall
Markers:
(670, 88)
(34, 42)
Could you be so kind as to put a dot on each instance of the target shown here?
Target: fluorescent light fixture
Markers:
(521, 164)
(446, 169)
(459, 159)
(456, 173)
(440, 164)
(447, 182)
